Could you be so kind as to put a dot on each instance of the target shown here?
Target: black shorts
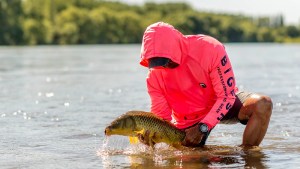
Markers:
(232, 115)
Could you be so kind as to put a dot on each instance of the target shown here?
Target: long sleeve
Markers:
(159, 104)
(223, 81)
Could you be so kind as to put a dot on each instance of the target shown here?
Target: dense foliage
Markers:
(30, 22)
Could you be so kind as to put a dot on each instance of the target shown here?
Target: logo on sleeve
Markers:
(203, 85)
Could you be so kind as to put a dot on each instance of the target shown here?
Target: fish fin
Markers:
(153, 136)
(177, 146)
(133, 140)
(140, 132)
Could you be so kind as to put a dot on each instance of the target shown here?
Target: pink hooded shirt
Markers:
(201, 89)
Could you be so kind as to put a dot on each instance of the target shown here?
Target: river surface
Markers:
(55, 102)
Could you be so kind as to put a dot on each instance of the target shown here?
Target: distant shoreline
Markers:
(53, 22)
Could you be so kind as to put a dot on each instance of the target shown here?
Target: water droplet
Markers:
(49, 94)
(36, 102)
(39, 94)
(48, 79)
(55, 119)
(105, 142)
(66, 104)
(81, 99)
(3, 115)
(278, 104)
(25, 116)
(285, 133)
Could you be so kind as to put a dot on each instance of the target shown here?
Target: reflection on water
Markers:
(163, 156)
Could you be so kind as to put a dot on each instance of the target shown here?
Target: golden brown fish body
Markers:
(133, 123)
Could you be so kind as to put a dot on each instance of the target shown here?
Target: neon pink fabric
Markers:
(201, 89)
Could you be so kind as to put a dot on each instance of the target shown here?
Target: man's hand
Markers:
(146, 138)
(193, 136)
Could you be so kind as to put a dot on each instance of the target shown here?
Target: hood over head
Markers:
(161, 40)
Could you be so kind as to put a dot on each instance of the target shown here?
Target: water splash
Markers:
(110, 150)
(106, 162)
(110, 147)
(139, 155)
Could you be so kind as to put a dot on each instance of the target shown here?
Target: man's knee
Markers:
(264, 106)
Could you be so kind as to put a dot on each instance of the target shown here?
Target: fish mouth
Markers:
(107, 131)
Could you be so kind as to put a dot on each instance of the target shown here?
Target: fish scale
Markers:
(133, 123)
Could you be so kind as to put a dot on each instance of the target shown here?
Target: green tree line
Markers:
(33, 22)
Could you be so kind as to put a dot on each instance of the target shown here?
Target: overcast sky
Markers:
(290, 9)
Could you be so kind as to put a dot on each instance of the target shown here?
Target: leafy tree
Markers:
(100, 21)
(10, 19)
(234, 33)
(72, 26)
(264, 35)
(36, 32)
(293, 31)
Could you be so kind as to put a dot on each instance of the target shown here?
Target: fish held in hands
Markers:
(135, 123)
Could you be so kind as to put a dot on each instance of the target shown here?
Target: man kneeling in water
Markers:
(191, 83)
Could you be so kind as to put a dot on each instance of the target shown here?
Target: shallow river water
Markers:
(57, 100)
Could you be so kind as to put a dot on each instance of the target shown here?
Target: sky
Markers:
(290, 9)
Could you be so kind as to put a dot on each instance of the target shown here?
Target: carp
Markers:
(134, 123)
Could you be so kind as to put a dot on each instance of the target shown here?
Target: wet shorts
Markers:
(232, 115)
